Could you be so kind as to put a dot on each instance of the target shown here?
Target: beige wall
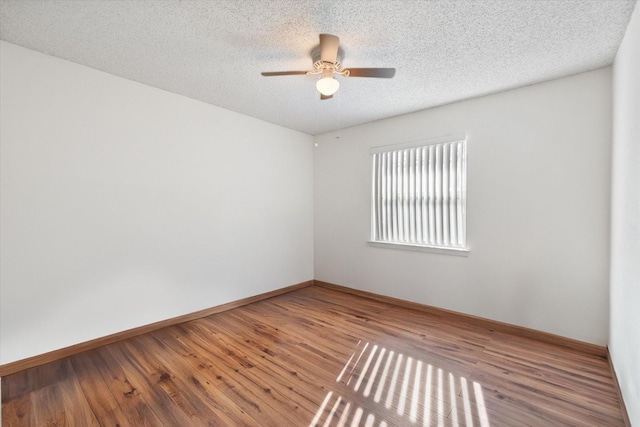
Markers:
(538, 209)
(624, 343)
(123, 205)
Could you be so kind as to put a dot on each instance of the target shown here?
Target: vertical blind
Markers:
(419, 195)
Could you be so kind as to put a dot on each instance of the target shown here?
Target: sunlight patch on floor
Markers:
(417, 393)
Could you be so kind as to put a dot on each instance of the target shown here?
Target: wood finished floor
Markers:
(318, 357)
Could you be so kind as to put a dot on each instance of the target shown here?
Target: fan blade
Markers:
(325, 96)
(329, 48)
(385, 73)
(282, 73)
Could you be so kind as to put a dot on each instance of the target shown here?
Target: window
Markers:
(419, 194)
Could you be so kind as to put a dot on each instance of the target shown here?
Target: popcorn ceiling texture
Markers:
(214, 51)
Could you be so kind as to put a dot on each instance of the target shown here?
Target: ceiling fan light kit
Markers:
(327, 85)
(328, 66)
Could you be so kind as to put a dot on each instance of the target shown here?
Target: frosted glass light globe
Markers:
(327, 86)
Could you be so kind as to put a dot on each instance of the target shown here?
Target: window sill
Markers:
(420, 248)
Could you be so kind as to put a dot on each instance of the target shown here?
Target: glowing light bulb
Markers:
(327, 85)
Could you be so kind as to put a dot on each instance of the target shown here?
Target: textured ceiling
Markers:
(214, 51)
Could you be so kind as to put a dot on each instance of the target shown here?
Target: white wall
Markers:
(624, 343)
(538, 209)
(124, 205)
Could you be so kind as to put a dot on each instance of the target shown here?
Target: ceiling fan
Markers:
(328, 66)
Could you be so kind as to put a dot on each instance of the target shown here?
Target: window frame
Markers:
(376, 240)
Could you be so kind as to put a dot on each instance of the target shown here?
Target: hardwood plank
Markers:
(318, 356)
(27, 380)
(76, 407)
(96, 391)
(48, 408)
(61, 405)
(249, 395)
(254, 389)
(17, 411)
(125, 393)
(136, 371)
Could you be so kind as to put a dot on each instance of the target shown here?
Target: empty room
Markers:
(320, 213)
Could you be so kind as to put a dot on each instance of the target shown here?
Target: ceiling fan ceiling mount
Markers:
(322, 66)
(328, 65)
